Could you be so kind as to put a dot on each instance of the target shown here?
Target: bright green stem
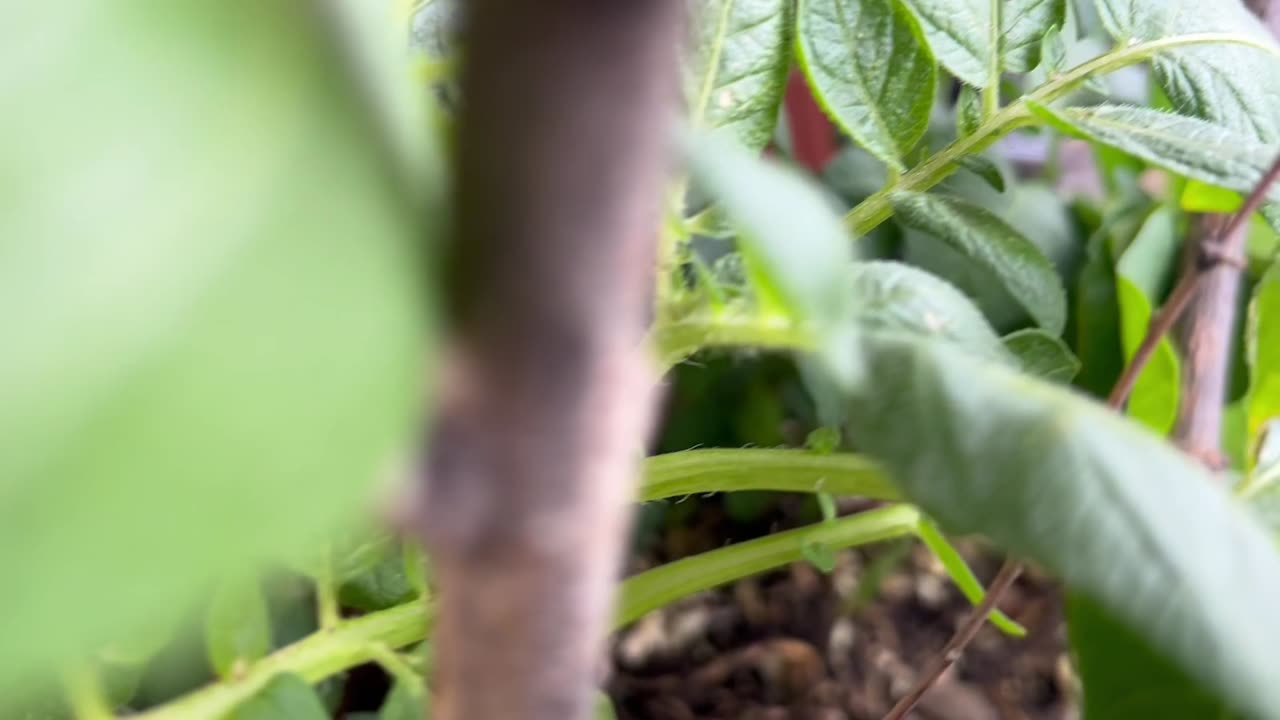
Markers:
(706, 471)
(960, 574)
(675, 341)
(314, 658)
(876, 209)
(665, 584)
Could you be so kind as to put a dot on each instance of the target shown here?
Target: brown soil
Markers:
(798, 643)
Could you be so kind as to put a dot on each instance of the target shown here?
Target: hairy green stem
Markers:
(876, 209)
(676, 340)
(314, 658)
(705, 471)
(662, 585)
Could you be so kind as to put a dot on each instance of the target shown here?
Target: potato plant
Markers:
(206, 380)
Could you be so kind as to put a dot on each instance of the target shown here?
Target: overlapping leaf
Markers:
(991, 243)
(1043, 355)
(1262, 338)
(1122, 518)
(1234, 85)
(1143, 274)
(795, 247)
(1188, 146)
(973, 46)
(735, 79)
(897, 299)
(869, 67)
(211, 307)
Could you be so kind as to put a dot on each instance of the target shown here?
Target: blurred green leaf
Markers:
(736, 76)
(1143, 274)
(1124, 678)
(1119, 516)
(1262, 343)
(968, 111)
(1097, 304)
(965, 37)
(984, 169)
(210, 289)
(897, 299)
(869, 67)
(990, 242)
(1043, 355)
(1232, 85)
(237, 629)
(794, 246)
(382, 586)
(406, 701)
(1205, 198)
(287, 697)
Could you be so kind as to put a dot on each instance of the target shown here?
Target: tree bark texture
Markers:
(568, 108)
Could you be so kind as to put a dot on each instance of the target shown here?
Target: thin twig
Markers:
(1225, 246)
(1009, 572)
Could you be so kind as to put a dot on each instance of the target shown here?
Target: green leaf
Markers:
(990, 242)
(869, 67)
(1124, 677)
(963, 34)
(287, 697)
(1122, 518)
(1043, 355)
(984, 169)
(1234, 86)
(1097, 304)
(968, 112)
(897, 299)
(382, 586)
(212, 304)
(1185, 145)
(737, 74)
(1143, 274)
(794, 246)
(1205, 198)
(237, 626)
(406, 701)
(1262, 343)
(433, 29)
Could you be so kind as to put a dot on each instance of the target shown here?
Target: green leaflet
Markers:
(795, 247)
(991, 243)
(1124, 678)
(735, 78)
(968, 112)
(1185, 145)
(237, 628)
(1143, 274)
(1043, 355)
(985, 169)
(869, 67)
(1122, 518)
(962, 36)
(896, 299)
(1262, 342)
(1237, 87)
(199, 295)
(287, 697)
